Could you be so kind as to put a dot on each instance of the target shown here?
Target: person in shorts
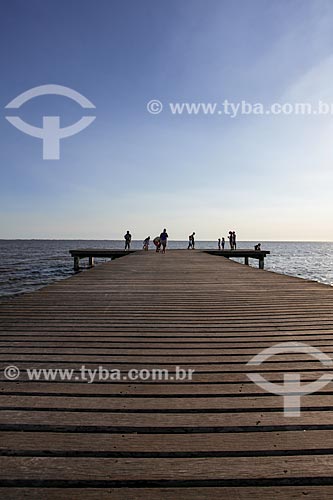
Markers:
(164, 240)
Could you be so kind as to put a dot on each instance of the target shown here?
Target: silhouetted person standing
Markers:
(222, 243)
(234, 244)
(231, 241)
(164, 239)
(191, 242)
(128, 239)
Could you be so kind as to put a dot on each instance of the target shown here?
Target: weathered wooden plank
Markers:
(110, 470)
(151, 422)
(119, 403)
(146, 347)
(201, 355)
(231, 341)
(209, 384)
(95, 362)
(197, 493)
(215, 443)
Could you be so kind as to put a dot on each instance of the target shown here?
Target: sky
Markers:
(268, 177)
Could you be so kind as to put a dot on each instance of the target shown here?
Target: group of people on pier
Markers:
(161, 241)
(232, 240)
(221, 243)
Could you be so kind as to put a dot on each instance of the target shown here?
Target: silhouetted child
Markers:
(157, 243)
(146, 243)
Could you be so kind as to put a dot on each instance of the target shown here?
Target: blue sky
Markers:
(267, 177)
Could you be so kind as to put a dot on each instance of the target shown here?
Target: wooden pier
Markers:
(92, 253)
(243, 254)
(219, 436)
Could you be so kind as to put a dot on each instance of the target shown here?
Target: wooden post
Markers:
(246, 261)
(91, 261)
(261, 262)
(76, 263)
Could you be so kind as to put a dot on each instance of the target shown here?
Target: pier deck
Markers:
(218, 436)
(92, 253)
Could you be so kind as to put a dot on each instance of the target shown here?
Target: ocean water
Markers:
(27, 265)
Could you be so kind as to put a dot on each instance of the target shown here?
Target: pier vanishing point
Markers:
(217, 436)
